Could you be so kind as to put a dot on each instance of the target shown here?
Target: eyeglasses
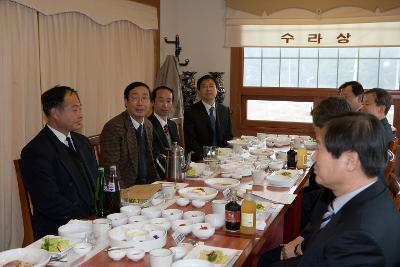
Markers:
(136, 99)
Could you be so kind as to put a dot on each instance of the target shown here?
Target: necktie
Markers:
(140, 130)
(70, 145)
(166, 130)
(212, 120)
(327, 216)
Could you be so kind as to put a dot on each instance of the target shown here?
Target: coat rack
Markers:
(178, 49)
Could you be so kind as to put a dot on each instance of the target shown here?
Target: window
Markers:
(321, 67)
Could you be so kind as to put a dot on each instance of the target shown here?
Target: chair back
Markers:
(393, 145)
(393, 184)
(95, 142)
(25, 203)
(390, 164)
(179, 125)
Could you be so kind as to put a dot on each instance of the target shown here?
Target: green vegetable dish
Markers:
(214, 256)
(55, 244)
(191, 171)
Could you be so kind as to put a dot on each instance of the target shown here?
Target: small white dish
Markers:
(182, 226)
(194, 216)
(130, 210)
(82, 248)
(135, 254)
(216, 220)
(182, 201)
(162, 222)
(118, 219)
(139, 219)
(117, 254)
(152, 212)
(179, 252)
(203, 230)
(276, 164)
(198, 203)
(172, 214)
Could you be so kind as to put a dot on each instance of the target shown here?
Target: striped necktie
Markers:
(327, 216)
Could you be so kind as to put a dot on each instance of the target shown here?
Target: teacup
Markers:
(218, 206)
(101, 227)
(258, 177)
(168, 191)
(161, 257)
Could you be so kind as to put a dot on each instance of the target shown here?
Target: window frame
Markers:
(240, 94)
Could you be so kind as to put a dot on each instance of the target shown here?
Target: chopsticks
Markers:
(118, 248)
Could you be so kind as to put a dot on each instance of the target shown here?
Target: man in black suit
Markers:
(59, 165)
(206, 123)
(355, 222)
(165, 131)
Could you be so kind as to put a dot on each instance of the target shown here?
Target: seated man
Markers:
(165, 131)
(59, 165)
(355, 222)
(206, 123)
(353, 92)
(127, 139)
(377, 102)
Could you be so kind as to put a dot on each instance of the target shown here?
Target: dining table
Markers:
(282, 225)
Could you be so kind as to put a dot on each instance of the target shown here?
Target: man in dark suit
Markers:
(353, 93)
(378, 102)
(59, 165)
(127, 139)
(355, 222)
(206, 123)
(165, 131)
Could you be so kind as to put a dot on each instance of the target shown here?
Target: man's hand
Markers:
(289, 249)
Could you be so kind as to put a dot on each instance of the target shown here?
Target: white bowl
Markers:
(78, 229)
(310, 145)
(183, 226)
(198, 203)
(192, 263)
(130, 210)
(135, 254)
(182, 201)
(179, 252)
(194, 216)
(136, 235)
(162, 222)
(152, 212)
(280, 180)
(203, 230)
(118, 219)
(117, 254)
(172, 214)
(37, 256)
(199, 192)
(138, 220)
(216, 220)
(276, 164)
(221, 183)
(82, 248)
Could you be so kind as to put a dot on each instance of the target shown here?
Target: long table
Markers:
(282, 226)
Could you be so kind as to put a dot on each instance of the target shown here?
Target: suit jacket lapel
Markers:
(131, 140)
(204, 116)
(69, 165)
(80, 146)
(173, 131)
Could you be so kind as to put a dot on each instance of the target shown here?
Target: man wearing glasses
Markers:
(127, 139)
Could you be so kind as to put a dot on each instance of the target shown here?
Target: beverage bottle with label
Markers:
(301, 156)
(99, 194)
(112, 192)
(248, 215)
(291, 157)
(232, 212)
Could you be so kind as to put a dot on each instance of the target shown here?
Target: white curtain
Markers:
(20, 116)
(38, 52)
(99, 61)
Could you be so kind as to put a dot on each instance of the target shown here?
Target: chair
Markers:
(179, 125)
(394, 189)
(390, 164)
(95, 142)
(393, 145)
(25, 206)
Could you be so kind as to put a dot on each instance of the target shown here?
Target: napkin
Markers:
(279, 197)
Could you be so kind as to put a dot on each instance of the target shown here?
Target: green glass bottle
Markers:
(99, 194)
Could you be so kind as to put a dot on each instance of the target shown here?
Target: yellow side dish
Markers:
(55, 244)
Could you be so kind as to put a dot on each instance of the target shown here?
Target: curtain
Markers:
(20, 116)
(38, 52)
(99, 61)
